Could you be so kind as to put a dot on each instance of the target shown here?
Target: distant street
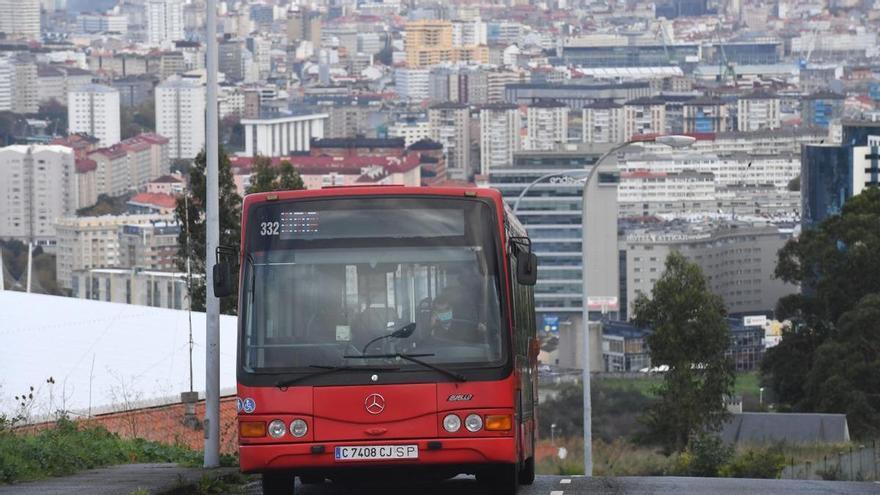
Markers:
(573, 485)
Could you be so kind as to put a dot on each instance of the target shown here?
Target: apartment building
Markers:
(644, 116)
(158, 289)
(500, 126)
(164, 21)
(151, 245)
(758, 110)
(737, 259)
(412, 131)
(92, 242)
(706, 115)
(20, 19)
(603, 122)
(449, 125)
(429, 43)
(130, 164)
(38, 185)
(180, 116)
(93, 109)
(547, 125)
(728, 169)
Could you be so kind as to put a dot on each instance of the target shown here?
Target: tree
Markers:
(795, 184)
(845, 377)
(230, 226)
(837, 266)
(288, 178)
(232, 132)
(690, 336)
(265, 177)
(55, 112)
(137, 120)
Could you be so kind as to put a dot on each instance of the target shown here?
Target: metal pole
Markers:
(30, 264)
(2, 267)
(585, 315)
(671, 141)
(212, 314)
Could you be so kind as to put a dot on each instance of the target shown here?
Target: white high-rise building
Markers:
(547, 122)
(94, 109)
(20, 18)
(164, 21)
(499, 136)
(7, 85)
(603, 122)
(37, 187)
(180, 116)
(449, 125)
(412, 84)
(758, 111)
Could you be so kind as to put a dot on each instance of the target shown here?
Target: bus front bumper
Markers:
(431, 452)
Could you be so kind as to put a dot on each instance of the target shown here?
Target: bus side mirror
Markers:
(526, 267)
(222, 280)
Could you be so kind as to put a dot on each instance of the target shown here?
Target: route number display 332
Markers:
(375, 452)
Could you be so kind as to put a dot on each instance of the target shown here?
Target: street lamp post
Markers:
(672, 141)
(212, 240)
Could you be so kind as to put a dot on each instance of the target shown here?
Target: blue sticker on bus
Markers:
(249, 405)
(238, 404)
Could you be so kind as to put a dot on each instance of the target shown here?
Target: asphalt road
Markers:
(574, 485)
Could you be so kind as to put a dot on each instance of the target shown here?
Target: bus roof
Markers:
(373, 190)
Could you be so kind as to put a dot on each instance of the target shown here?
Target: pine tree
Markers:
(195, 229)
(288, 178)
(266, 178)
(690, 336)
(263, 175)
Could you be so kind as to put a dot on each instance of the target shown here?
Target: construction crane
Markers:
(725, 66)
(661, 33)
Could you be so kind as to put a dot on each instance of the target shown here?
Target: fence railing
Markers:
(858, 463)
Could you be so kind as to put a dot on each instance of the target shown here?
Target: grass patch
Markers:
(617, 458)
(625, 458)
(645, 386)
(747, 384)
(66, 449)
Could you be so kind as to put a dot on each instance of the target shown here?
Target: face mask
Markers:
(445, 315)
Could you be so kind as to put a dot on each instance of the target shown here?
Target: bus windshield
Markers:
(328, 281)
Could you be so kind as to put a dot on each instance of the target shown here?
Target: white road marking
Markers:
(565, 481)
(556, 492)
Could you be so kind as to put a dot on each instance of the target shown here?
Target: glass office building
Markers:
(551, 212)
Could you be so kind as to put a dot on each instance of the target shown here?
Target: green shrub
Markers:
(765, 463)
(705, 455)
(66, 449)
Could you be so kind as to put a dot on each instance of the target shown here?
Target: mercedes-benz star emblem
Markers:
(374, 403)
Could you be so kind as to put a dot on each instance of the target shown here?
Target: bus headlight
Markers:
(451, 423)
(298, 428)
(473, 423)
(277, 428)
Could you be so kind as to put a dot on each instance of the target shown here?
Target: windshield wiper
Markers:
(414, 359)
(327, 370)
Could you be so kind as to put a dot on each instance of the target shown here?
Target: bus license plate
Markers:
(377, 452)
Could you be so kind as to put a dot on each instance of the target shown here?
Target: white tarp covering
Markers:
(102, 355)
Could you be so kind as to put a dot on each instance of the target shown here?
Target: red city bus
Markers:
(385, 330)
